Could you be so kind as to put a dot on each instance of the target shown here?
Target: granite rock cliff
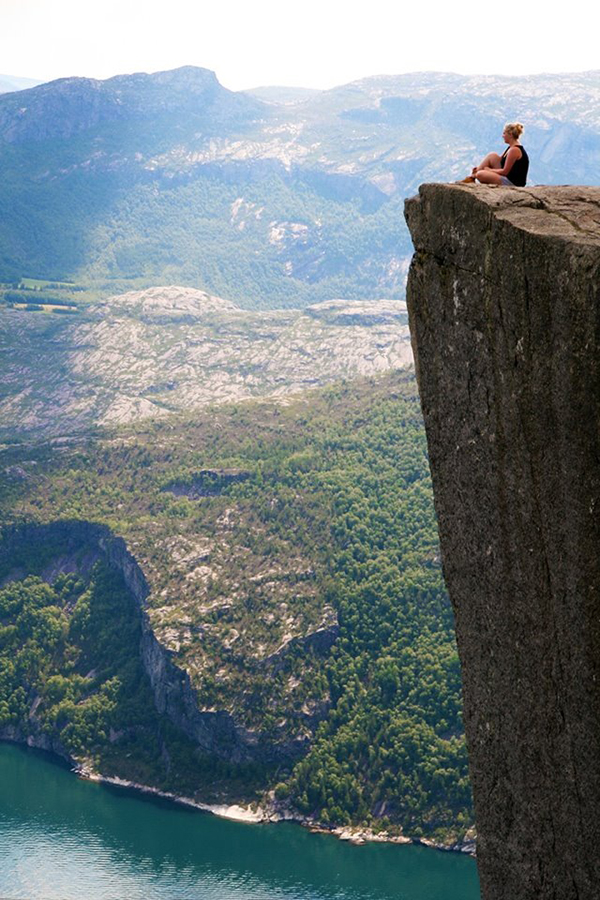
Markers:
(504, 305)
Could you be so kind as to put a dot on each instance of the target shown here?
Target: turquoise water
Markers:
(62, 838)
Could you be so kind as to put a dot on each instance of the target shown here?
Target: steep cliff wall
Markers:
(504, 306)
(74, 546)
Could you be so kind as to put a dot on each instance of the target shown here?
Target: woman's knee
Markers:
(493, 161)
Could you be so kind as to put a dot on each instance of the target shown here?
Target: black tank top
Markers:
(518, 172)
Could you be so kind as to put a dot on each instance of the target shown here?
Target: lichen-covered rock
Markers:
(504, 305)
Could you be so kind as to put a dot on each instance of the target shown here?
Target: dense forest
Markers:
(68, 645)
(268, 241)
(335, 506)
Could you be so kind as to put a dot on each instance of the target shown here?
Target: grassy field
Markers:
(38, 284)
(46, 307)
(50, 295)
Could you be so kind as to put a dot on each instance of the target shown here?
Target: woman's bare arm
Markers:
(511, 157)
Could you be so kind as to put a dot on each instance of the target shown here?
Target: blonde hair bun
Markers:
(515, 128)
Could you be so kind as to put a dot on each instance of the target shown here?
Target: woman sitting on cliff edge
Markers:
(510, 169)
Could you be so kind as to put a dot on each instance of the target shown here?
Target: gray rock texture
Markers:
(150, 353)
(504, 307)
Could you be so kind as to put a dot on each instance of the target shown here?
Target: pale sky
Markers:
(310, 43)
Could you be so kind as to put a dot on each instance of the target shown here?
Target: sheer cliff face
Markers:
(504, 306)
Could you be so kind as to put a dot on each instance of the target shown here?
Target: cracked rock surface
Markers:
(504, 307)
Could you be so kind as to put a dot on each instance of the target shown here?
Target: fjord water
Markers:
(65, 839)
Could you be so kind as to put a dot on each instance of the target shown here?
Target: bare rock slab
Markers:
(148, 354)
(504, 308)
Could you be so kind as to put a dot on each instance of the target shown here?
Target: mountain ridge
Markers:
(271, 204)
(286, 557)
(76, 104)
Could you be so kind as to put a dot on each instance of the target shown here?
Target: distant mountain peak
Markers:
(9, 83)
(183, 77)
(68, 106)
(289, 96)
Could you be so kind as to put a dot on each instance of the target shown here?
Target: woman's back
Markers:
(519, 169)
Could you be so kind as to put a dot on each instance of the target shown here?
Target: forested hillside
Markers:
(274, 628)
(293, 573)
(169, 178)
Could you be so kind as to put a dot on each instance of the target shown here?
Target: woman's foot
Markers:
(470, 179)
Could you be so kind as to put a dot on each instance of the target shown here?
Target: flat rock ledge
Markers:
(504, 309)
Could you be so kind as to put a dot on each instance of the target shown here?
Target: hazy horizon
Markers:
(34, 81)
(260, 44)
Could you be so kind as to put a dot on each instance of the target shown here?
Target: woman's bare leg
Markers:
(491, 161)
(488, 176)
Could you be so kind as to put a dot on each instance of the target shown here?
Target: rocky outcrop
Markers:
(35, 737)
(146, 354)
(340, 312)
(163, 306)
(207, 483)
(318, 642)
(504, 306)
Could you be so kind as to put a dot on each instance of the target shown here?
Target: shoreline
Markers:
(263, 814)
(272, 814)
